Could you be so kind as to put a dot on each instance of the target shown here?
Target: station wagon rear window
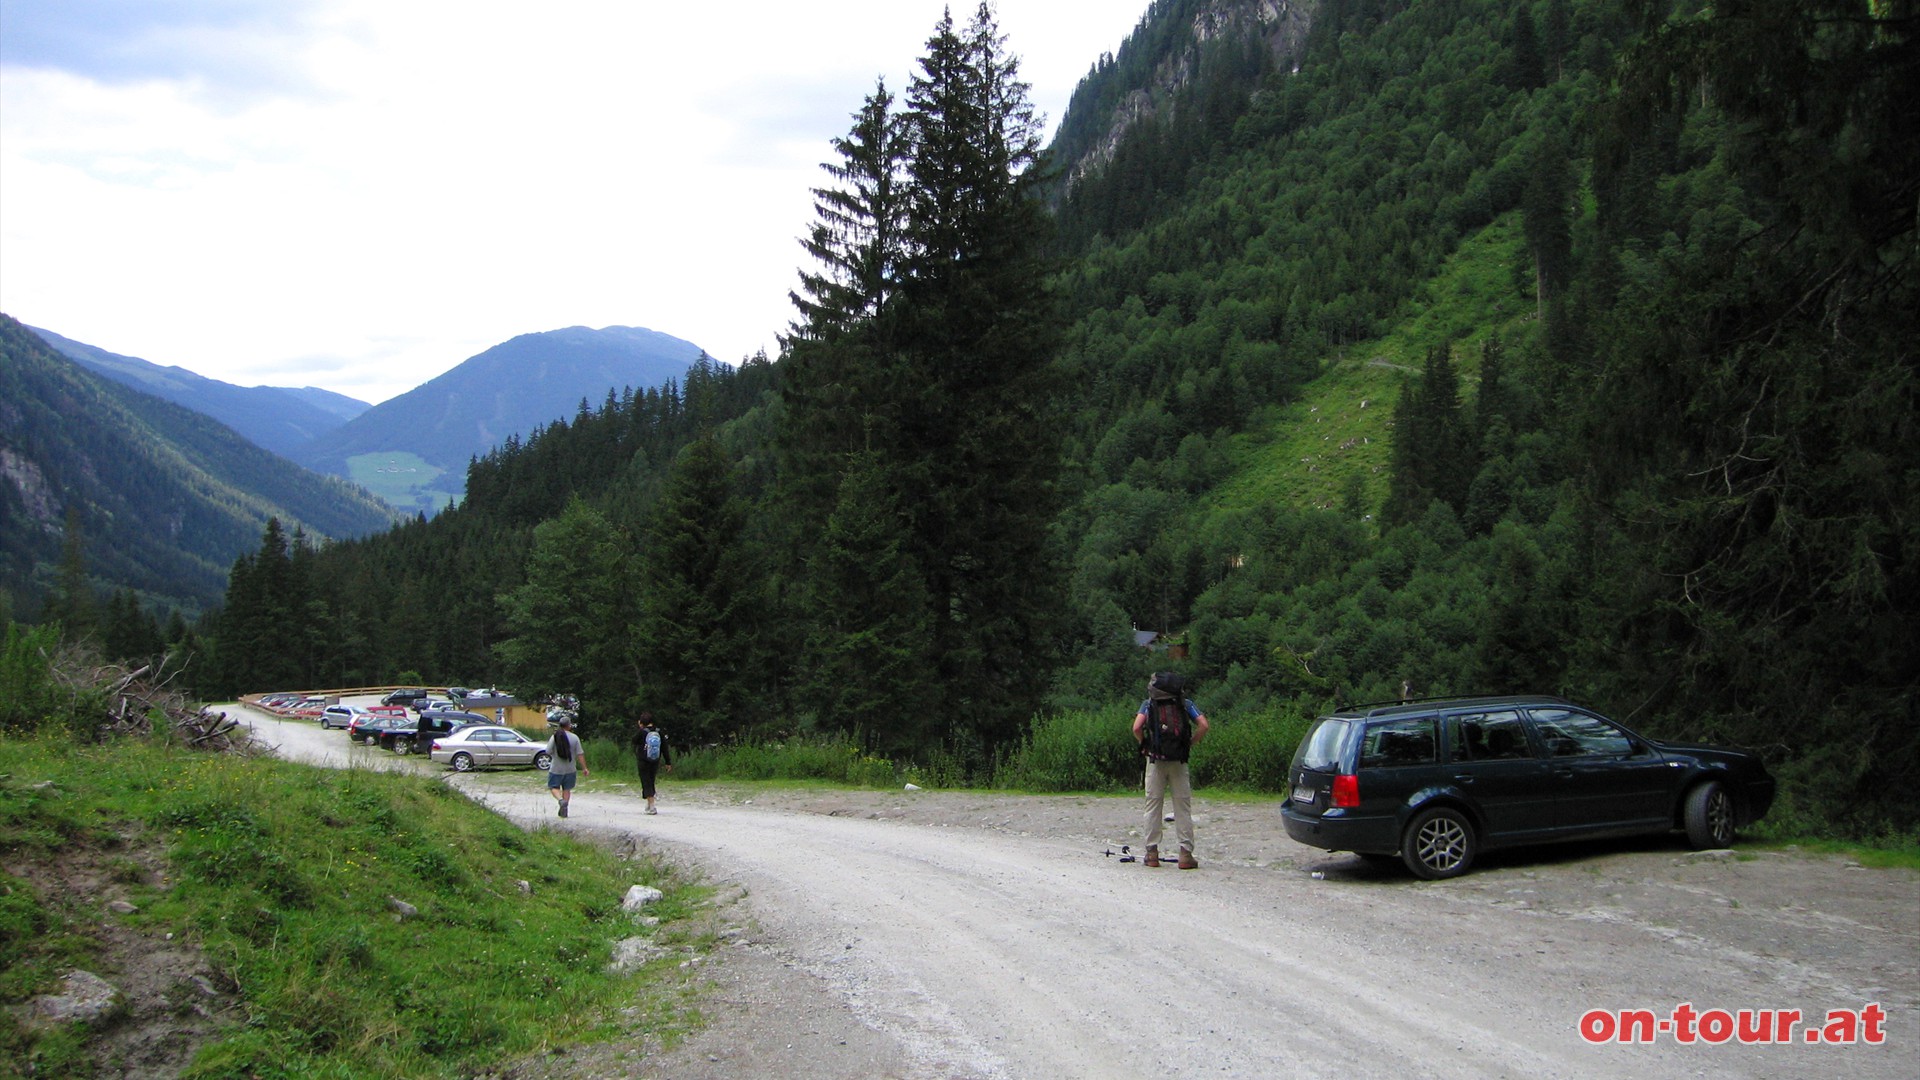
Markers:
(1323, 746)
(1411, 741)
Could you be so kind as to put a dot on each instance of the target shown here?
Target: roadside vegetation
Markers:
(333, 923)
(1081, 750)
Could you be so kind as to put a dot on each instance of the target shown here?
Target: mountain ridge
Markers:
(504, 392)
(164, 497)
(279, 419)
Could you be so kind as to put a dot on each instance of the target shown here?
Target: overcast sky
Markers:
(360, 194)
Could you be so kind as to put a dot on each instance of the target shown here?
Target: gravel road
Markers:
(964, 935)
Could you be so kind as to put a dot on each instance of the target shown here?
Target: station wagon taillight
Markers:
(1346, 790)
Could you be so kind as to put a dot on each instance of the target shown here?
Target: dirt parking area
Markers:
(963, 934)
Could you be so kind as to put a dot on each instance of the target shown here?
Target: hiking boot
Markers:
(1187, 861)
(1153, 857)
(563, 809)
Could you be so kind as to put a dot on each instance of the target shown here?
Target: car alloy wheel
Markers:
(1709, 816)
(463, 762)
(1438, 843)
(542, 760)
(403, 745)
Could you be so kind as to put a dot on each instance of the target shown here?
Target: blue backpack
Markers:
(653, 746)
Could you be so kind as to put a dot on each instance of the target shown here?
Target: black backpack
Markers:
(1169, 732)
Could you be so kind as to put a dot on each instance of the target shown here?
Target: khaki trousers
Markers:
(1162, 775)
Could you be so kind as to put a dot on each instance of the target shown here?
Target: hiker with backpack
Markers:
(650, 747)
(567, 761)
(1167, 727)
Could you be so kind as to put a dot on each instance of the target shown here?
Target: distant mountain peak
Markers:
(511, 389)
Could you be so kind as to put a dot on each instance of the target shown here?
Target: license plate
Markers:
(1302, 793)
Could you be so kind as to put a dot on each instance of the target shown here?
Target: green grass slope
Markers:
(1342, 424)
(270, 888)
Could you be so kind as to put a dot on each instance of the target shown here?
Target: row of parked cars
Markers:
(413, 721)
(298, 704)
(462, 740)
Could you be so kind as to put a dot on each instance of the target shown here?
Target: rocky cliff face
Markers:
(1282, 25)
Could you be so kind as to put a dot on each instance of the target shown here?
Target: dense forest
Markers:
(1454, 345)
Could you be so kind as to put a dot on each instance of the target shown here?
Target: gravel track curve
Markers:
(968, 935)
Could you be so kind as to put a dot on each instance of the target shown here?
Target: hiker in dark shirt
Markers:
(650, 747)
(1167, 726)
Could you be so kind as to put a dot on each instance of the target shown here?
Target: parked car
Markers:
(431, 725)
(370, 728)
(406, 697)
(310, 706)
(1435, 783)
(475, 747)
(387, 710)
(340, 716)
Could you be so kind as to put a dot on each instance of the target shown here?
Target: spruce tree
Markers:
(836, 393)
(979, 446)
(268, 623)
(930, 357)
(72, 604)
(1545, 211)
(572, 619)
(1754, 413)
(701, 601)
(865, 667)
(857, 236)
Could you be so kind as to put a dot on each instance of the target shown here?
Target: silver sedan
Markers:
(484, 744)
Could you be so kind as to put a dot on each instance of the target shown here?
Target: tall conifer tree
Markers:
(858, 235)
(865, 666)
(931, 360)
(700, 601)
(980, 450)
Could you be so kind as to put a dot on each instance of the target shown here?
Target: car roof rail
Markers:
(1454, 699)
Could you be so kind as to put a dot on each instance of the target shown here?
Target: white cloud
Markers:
(439, 177)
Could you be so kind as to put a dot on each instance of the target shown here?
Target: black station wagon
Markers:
(1437, 782)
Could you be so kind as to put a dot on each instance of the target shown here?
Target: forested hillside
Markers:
(1452, 344)
(99, 481)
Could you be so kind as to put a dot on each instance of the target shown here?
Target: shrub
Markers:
(1250, 751)
(1095, 751)
(835, 758)
(1078, 750)
(30, 698)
